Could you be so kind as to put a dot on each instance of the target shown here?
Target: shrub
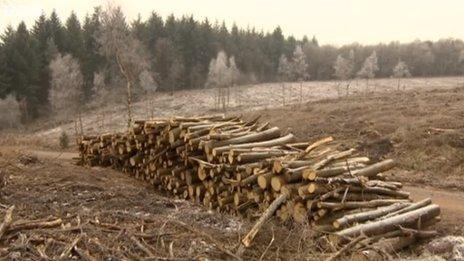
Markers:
(64, 140)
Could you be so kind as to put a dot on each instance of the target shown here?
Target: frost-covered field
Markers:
(242, 99)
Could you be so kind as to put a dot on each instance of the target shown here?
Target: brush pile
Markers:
(237, 166)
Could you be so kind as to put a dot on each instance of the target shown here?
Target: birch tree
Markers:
(100, 94)
(117, 44)
(300, 68)
(234, 75)
(284, 73)
(66, 86)
(401, 70)
(149, 86)
(343, 68)
(369, 68)
(218, 77)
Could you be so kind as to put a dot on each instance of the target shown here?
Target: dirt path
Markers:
(451, 203)
(55, 155)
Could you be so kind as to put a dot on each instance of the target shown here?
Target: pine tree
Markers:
(155, 30)
(74, 43)
(42, 35)
(139, 30)
(23, 68)
(57, 31)
(164, 58)
(92, 60)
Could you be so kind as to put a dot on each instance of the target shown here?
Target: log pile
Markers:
(231, 165)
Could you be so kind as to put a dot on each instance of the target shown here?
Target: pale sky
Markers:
(331, 21)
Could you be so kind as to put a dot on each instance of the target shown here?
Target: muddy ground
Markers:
(112, 215)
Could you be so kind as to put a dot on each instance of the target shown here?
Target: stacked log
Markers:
(237, 166)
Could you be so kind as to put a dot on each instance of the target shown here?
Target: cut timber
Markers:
(376, 168)
(360, 204)
(260, 136)
(264, 217)
(269, 143)
(368, 215)
(411, 207)
(255, 156)
(317, 144)
(408, 219)
(264, 180)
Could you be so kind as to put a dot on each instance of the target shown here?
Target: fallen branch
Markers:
(6, 221)
(68, 249)
(264, 217)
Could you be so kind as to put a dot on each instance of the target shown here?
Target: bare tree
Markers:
(100, 94)
(300, 68)
(10, 113)
(218, 77)
(149, 87)
(119, 45)
(344, 69)
(284, 72)
(233, 74)
(66, 86)
(401, 70)
(369, 68)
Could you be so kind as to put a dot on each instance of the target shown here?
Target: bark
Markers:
(368, 215)
(269, 143)
(253, 137)
(360, 204)
(375, 169)
(408, 219)
(248, 239)
(411, 207)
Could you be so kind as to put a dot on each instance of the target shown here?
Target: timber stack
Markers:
(232, 165)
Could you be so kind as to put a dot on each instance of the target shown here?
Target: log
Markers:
(408, 219)
(374, 169)
(360, 204)
(248, 239)
(269, 143)
(367, 215)
(411, 207)
(259, 136)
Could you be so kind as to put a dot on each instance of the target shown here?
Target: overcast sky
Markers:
(331, 21)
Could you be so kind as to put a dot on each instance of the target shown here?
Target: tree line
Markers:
(105, 53)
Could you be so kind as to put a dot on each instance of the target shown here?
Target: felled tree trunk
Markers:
(409, 219)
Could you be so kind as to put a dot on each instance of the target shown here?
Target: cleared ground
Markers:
(242, 99)
(422, 128)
